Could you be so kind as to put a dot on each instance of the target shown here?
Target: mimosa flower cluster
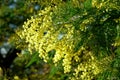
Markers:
(43, 33)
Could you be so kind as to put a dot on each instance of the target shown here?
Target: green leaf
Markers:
(53, 71)
(88, 4)
(34, 59)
